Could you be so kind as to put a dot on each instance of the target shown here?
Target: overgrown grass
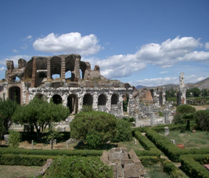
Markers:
(131, 145)
(199, 139)
(18, 171)
(156, 171)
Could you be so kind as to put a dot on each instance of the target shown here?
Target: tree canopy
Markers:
(40, 113)
(100, 124)
(7, 109)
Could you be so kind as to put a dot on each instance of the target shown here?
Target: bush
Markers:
(84, 153)
(14, 138)
(192, 168)
(97, 122)
(202, 120)
(24, 160)
(87, 108)
(129, 119)
(93, 140)
(185, 109)
(78, 167)
(124, 132)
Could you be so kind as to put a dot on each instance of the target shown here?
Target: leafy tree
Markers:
(52, 134)
(124, 132)
(40, 113)
(170, 93)
(202, 119)
(78, 167)
(7, 109)
(186, 112)
(96, 122)
(196, 91)
(14, 138)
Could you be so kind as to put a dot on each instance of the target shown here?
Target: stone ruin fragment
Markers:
(181, 96)
(124, 164)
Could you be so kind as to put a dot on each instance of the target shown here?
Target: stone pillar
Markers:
(95, 102)
(33, 83)
(77, 68)
(48, 69)
(166, 113)
(166, 131)
(62, 68)
(120, 102)
(108, 104)
(152, 118)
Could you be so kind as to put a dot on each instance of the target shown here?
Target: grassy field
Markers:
(190, 140)
(131, 145)
(18, 171)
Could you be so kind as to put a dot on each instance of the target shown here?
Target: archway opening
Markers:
(102, 99)
(125, 102)
(72, 103)
(39, 96)
(114, 99)
(88, 100)
(57, 99)
(56, 76)
(14, 94)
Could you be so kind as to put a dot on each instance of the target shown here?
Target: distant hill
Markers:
(201, 84)
(140, 86)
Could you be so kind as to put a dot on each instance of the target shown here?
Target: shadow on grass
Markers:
(83, 146)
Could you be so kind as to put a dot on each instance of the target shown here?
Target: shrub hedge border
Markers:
(192, 165)
(150, 148)
(83, 153)
(169, 149)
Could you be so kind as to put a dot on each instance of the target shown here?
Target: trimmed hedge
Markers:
(191, 166)
(150, 148)
(171, 169)
(24, 160)
(171, 150)
(149, 160)
(83, 153)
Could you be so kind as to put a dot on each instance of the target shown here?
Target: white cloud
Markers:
(167, 80)
(68, 43)
(15, 59)
(15, 51)
(165, 55)
(207, 45)
(29, 37)
(163, 72)
(2, 68)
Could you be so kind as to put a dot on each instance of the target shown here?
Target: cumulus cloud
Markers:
(2, 68)
(207, 45)
(14, 59)
(68, 43)
(29, 37)
(152, 82)
(165, 55)
(15, 51)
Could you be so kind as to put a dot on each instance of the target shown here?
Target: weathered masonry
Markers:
(64, 79)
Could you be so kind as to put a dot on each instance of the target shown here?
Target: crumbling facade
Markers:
(181, 96)
(83, 87)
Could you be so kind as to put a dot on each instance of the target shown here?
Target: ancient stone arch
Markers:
(114, 99)
(15, 94)
(72, 103)
(57, 99)
(88, 99)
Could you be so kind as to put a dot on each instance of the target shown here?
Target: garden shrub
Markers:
(14, 138)
(123, 132)
(185, 109)
(75, 167)
(24, 160)
(84, 153)
(193, 168)
(97, 122)
(93, 140)
(129, 119)
(149, 160)
(202, 120)
(171, 169)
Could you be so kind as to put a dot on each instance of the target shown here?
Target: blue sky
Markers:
(142, 42)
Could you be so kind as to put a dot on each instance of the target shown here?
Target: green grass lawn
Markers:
(18, 171)
(131, 145)
(190, 140)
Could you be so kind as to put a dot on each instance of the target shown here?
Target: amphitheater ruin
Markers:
(76, 85)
